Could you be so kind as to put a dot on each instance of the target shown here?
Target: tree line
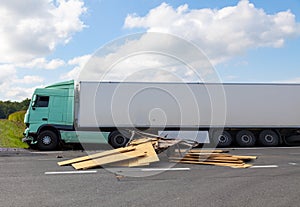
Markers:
(9, 107)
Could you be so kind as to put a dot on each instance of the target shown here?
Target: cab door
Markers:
(39, 111)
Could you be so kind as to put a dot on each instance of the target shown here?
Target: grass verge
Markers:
(11, 134)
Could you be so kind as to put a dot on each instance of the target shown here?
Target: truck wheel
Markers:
(292, 140)
(117, 139)
(245, 138)
(268, 138)
(47, 140)
(222, 138)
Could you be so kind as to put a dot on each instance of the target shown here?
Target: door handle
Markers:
(45, 119)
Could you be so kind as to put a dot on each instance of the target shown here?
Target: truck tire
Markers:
(292, 140)
(268, 138)
(47, 140)
(222, 138)
(245, 138)
(117, 139)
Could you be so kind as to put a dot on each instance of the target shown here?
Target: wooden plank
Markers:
(209, 154)
(137, 164)
(210, 163)
(97, 155)
(167, 143)
(208, 160)
(244, 166)
(245, 157)
(128, 163)
(151, 154)
(145, 160)
(218, 158)
(142, 140)
(109, 159)
(208, 151)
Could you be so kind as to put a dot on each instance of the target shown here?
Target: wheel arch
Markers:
(50, 128)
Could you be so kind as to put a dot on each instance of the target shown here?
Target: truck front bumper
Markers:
(28, 138)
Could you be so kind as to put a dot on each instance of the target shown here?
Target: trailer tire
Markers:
(245, 138)
(222, 138)
(292, 140)
(268, 138)
(117, 139)
(47, 140)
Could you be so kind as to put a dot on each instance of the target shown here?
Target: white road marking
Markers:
(165, 169)
(48, 152)
(71, 172)
(53, 159)
(292, 163)
(264, 166)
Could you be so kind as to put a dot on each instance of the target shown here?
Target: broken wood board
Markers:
(128, 163)
(109, 159)
(97, 155)
(208, 154)
(167, 143)
(208, 151)
(215, 163)
(207, 160)
(150, 157)
(151, 154)
(212, 157)
(245, 157)
(142, 140)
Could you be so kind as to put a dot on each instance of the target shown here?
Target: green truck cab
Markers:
(50, 119)
(51, 110)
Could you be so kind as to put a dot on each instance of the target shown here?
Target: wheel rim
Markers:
(269, 138)
(223, 139)
(46, 140)
(245, 138)
(120, 140)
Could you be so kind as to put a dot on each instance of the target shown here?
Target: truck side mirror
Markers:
(33, 103)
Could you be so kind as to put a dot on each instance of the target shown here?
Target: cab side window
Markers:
(42, 101)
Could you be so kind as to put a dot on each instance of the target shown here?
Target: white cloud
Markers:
(148, 57)
(6, 72)
(78, 63)
(42, 63)
(31, 29)
(19, 93)
(15, 88)
(29, 79)
(220, 33)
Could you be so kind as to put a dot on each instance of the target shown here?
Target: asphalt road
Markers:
(34, 179)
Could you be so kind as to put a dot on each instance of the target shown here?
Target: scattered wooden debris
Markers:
(98, 155)
(213, 157)
(143, 151)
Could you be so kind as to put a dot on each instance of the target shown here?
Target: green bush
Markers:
(17, 116)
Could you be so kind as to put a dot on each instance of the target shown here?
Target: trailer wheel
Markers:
(222, 138)
(117, 139)
(268, 138)
(245, 138)
(292, 140)
(47, 140)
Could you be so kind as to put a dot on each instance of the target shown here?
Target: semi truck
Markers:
(102, 112)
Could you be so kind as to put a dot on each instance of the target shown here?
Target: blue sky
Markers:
(51, 40)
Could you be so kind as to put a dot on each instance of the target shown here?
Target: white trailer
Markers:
(245, 114)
